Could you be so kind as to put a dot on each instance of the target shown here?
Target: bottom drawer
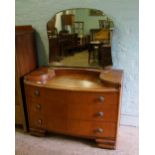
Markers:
(37, 121)
(74, 127)
(92, 129)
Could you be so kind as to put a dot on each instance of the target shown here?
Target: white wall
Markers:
(125, 43)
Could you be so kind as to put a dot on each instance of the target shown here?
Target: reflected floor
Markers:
(78, 59)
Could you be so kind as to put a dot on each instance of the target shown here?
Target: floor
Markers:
(79, 59)
(128, 144)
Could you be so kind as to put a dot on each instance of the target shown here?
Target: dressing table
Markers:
(75, 101)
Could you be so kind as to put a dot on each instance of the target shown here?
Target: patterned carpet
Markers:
(64, 145)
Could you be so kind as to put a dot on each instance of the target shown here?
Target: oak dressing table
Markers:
(77, 102)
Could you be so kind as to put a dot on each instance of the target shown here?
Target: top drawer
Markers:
(38, 93)
(94, 99)
(80, 96)
(77, 99)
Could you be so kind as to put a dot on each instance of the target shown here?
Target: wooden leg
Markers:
(37, 132)
(106, 143)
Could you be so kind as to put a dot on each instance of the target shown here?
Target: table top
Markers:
(76, 79)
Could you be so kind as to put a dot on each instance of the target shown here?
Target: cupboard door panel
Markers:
(25, 61)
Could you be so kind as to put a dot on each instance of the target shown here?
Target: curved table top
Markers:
(75, 79)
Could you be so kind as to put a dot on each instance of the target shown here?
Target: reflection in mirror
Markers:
(80, 37)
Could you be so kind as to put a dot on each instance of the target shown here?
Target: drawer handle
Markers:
(100, 114)
(38, 106)
(36, 92)
(99, 130)
(39, 121)
(101, 98)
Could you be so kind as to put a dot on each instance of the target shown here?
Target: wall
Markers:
(125, 48)
(90, 22)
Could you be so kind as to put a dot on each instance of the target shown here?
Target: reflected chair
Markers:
(104, 24)
(100, 38)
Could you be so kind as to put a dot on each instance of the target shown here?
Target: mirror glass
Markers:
(80, 38)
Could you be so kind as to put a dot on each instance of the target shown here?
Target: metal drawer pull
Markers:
(37, 93)
(100, 113)
(99, 130)
(39, 121)
(101, 98)
(38, 106)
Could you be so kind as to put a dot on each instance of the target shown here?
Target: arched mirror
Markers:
(80, 38)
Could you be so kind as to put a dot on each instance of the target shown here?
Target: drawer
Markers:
(56, 108)
(96, 100)
(57, 125)
(37, 121)
(74, 127)
(93, 114)
(49, 123)
(45, 93)
(92, 129)
(105, 99)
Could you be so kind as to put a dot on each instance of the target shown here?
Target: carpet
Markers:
(55, 144)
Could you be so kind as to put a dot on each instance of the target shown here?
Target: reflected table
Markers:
(94, 48)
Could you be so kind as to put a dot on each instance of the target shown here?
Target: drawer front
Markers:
(94, 114)
(56, 108)
(37, 121)
(93, 129)
(48, 123)
(74, 127)
(39, 93)
(105, 100)
(57, 125)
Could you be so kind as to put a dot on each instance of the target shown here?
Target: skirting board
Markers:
(129, 120)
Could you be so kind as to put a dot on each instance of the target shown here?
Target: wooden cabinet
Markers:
(61, 46)
(105, 57)
(76, 102)
(25, 59)
(67, 19)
